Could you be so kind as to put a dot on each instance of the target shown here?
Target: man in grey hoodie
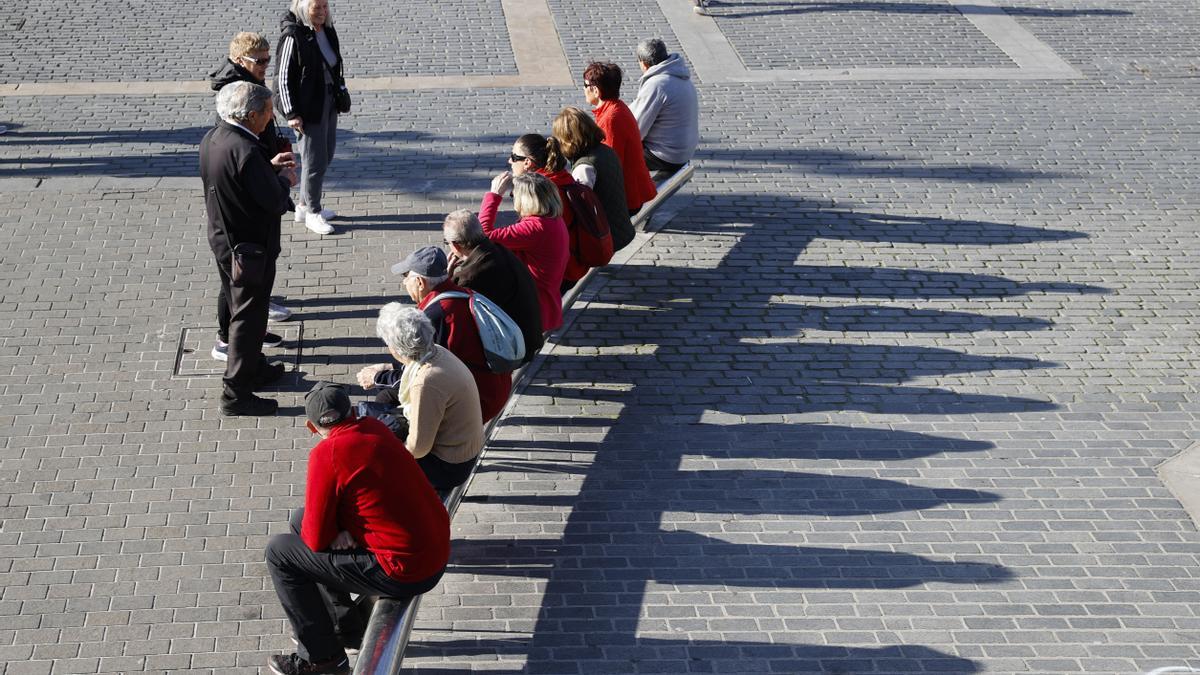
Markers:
(666, 108)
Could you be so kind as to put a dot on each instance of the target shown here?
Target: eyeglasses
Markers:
(587, 84)
(258, 62)
(514, 157)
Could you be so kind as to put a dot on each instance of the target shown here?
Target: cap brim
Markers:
(402, 267)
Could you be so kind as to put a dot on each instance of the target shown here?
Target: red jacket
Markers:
(541, 243)
(621, 133)
(456, 330)
(363, 480)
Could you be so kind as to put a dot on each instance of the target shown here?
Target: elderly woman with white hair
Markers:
(309, 68)
(437, 395)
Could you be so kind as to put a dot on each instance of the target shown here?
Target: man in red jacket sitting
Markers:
(371, 525)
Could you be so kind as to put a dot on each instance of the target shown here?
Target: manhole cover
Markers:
(194, 359)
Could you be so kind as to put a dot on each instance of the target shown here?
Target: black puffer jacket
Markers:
(300, 69)
(230, 72)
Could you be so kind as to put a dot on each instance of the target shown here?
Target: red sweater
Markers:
(621, 133)
(457, 331)
(363, 480)
(541, 243)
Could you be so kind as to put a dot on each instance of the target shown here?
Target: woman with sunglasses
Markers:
(309, 64)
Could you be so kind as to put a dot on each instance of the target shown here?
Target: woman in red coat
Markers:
(539, 238)
(602, 88)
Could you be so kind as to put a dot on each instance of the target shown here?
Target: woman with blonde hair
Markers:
(539, 239)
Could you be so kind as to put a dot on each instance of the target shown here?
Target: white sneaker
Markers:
(328, 214)
(278, 312)
(317, 223)
(301, 211)
(220, 351)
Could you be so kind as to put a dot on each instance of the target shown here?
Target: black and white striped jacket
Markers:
(301, 85)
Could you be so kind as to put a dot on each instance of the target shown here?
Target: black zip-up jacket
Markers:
(230, 72)
(243, 196)
(300, 69)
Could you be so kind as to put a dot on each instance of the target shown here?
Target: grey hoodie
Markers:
(667, 111)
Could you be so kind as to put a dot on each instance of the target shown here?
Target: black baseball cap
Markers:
(326, 404)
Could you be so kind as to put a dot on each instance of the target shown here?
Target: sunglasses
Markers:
(514, 157)
(258, 62)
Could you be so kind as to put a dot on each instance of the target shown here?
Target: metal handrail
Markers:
(392, 621)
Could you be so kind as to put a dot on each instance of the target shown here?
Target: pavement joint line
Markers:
(541, 62)
(715, 59)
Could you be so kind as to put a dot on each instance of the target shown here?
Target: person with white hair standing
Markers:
(245, 194)
(310, 75)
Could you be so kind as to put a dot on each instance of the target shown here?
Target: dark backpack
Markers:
(591, 240)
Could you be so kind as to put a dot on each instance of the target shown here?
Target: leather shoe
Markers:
(248, 405)
(268, 373)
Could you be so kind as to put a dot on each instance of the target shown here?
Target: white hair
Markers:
(236, 101)
(462, 227)
(300, 9)
(405, 330)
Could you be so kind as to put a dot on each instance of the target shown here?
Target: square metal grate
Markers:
(194, 359)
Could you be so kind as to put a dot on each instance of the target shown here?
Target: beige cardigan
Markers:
(444, 414)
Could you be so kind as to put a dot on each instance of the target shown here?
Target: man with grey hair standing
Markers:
(666, 108)
(245, 197)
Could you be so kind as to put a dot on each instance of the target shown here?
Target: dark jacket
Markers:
(610, 190)
(230, 72)
(243, 195)
(300, 69)
(495, 272)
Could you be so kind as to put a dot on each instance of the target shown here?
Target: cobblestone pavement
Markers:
(886, 396)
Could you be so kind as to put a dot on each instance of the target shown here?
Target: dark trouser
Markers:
(244, 328)
(443, 475)
(312, 583)
(660, 170)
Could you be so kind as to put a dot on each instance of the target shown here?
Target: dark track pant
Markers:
(314, 588)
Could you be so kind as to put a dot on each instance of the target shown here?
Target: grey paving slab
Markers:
(889, 394)
(182, 41)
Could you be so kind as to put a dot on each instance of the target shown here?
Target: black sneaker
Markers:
(248, 405)
(292, 664)
(268, 373)
(272, 340)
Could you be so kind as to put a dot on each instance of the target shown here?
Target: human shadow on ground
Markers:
(727, 9)
(659, 486)
(692, 558)
(641, 653)
(756, 440)
(605, 326)
(847, 164)
(681, 488)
